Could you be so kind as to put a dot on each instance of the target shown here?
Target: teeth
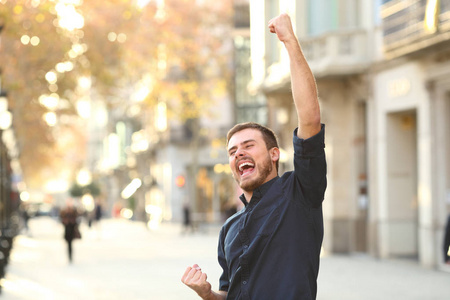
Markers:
(245, 164)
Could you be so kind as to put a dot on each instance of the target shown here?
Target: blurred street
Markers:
(124, 260)
(122, 110)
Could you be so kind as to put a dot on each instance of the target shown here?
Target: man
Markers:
(270, 249)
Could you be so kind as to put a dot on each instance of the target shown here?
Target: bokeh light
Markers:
(51, 77)
(35, 41)
(50, 118)
(49, 101)
(25, 39)
(68, 17)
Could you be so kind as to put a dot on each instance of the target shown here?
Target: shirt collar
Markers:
(259, 192)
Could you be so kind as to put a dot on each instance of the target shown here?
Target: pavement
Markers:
(121, 259)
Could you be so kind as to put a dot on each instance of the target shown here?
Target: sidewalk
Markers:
(367, 278)
(125, 260)
(120, 260)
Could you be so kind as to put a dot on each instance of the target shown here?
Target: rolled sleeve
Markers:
(311, 146)
(310, 166)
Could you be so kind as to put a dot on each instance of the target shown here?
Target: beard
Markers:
(265, 169)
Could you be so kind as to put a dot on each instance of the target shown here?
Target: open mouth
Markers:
(246, 168)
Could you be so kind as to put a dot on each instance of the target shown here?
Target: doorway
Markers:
(401, 203)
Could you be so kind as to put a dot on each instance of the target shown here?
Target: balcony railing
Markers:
(338, 53)
(413, 25)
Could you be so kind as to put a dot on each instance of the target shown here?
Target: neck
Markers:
(248, 195)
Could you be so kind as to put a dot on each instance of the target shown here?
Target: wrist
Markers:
(208, 296)
(290, 40)
(292, 44)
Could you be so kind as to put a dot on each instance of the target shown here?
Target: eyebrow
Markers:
(243, 143)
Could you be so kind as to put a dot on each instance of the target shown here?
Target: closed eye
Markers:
(246, 145)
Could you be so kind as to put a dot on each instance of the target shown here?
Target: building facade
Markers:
(409, 110)
(384, 97)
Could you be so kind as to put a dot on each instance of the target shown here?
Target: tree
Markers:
(78, 190)
(175, 50)
(32, 46)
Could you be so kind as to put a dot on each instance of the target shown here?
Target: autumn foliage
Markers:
(182, 47)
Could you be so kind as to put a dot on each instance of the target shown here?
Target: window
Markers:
(322, 16)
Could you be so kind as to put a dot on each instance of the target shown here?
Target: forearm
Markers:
(219, 295)
(304, 91)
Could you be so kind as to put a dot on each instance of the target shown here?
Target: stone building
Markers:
(382, 72)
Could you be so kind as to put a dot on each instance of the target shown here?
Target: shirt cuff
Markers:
(312, 145)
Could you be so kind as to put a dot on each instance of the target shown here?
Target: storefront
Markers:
(409, 169)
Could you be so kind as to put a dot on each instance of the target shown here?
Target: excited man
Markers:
(270, 249)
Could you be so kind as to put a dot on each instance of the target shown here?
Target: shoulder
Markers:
(233, 218)
(231, 221)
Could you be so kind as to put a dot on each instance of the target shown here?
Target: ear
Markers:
(274, 154)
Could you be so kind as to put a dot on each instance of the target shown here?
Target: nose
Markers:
(239, 152)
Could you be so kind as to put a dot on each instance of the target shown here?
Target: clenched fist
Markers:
(195, 279)
(282, 26)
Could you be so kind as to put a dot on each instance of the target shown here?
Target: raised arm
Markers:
(304, 89)
(195, 279)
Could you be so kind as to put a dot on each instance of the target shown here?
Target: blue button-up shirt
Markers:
(270, 249)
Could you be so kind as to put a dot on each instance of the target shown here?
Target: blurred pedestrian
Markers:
(187, 219)
(447, 242)
(270, 249)
(25, 217)
(96, 214)
(69, 218)
(98, 211)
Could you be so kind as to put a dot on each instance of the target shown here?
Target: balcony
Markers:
(414, 25)
(336, 54)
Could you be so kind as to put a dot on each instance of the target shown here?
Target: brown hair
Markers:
(269, 136)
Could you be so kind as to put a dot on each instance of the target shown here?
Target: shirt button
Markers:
(244, 282)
